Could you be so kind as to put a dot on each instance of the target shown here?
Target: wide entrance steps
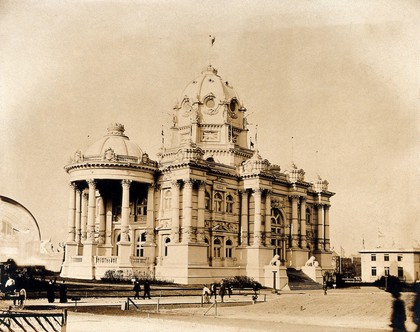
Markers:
(300, 281)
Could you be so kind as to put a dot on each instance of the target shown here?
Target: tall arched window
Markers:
(207, 201)
(167, 241)
(216, 248)
(167, 199)
(229, 204)
(141, 239)
(308, 216)
(117, 240)
(218, 202)
(206, 241)
(229, 248)
(277, 233)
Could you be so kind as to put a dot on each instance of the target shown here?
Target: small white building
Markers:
(402, 263)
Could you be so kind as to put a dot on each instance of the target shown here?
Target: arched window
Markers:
(277, 233)
(229, 248)
(218, 202)
(117, 240)
(167, 199)
(229, 204)
(216, 248)
(141, 239)
(207, 201)
(206, 241)
(308, 216)
(167, 241)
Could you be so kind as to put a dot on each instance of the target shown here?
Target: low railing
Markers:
(106, 260)
(139, 260)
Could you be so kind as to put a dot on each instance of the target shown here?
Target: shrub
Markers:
(120, 276)
(242, 282)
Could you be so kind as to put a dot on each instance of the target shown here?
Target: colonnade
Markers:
(83, 205)
(192, 229)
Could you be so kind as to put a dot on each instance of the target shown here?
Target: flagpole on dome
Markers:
(212, 39)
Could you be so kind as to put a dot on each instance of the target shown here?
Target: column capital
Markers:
(257, 191)
(294, 197)
(126, 183)
(91, 182)
(268, 192)
(188, 183)
(73, 185)
(175, 184)
(303, 199)
(201, 184)
(327, 206)
(319, 205)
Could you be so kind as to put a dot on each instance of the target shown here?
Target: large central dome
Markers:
(209, 84)
(211, 117)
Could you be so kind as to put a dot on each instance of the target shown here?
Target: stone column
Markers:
(108, 228)
(268, 218)
(91, 211)
(320, 240)
(303, 242)
(150, 214)
(187, 211)
(327, 227)
(78, 216)
(175, 211)
(294, 230)
(257, 217)
(244, 217)
(201, 211)
(125, 210)
(71, 221)
(84, 215)
(101, 235)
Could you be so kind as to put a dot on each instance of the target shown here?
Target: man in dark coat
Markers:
(146, 290)
(137, 289)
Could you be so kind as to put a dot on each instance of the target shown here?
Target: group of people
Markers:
(217, 289)
(137, 289)
(51, 291)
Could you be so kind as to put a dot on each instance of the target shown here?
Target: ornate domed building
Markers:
(211, 207)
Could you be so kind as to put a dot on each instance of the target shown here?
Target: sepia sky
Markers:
(340, 77)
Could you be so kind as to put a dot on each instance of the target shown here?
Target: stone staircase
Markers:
(300, 281)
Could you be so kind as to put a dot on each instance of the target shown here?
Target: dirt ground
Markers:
(365, 309)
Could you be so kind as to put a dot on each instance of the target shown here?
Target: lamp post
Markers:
(274, 281)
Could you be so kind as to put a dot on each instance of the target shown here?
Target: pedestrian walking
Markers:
(63, 292)
(50, 292)
(222, 291)
(398, 316)
(230, 289)
(255, 288)
(146, 288)
(213, 289)
(136, 289)
(206, 294)
(324, 286)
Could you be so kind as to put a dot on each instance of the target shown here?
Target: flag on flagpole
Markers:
(212, 40)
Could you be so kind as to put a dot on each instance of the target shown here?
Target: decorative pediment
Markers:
(255, 165)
